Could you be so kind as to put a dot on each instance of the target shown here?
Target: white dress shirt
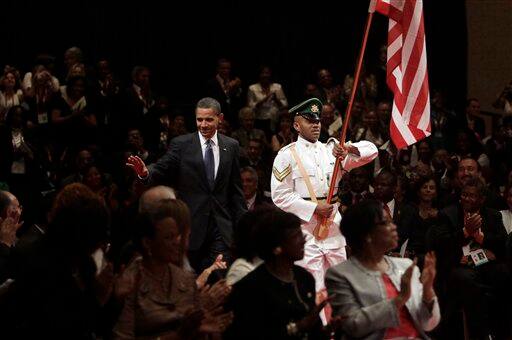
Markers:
(507, 220)
(250, 202)
(215, 149)
(391, 206)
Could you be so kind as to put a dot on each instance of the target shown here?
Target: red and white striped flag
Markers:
(407, 74)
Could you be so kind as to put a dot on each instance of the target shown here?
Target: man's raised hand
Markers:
(138, 166)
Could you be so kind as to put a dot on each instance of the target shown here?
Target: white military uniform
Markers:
(290, 193)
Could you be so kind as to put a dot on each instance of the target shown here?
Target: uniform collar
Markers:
(306, 143)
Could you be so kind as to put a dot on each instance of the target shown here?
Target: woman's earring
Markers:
(277, 251)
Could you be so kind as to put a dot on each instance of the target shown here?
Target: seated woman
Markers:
(418, 218)
(244, 247)
(10, 92)
(164, 302)
(381, 297)
(277, 299)
(56, 272)
(96, 180)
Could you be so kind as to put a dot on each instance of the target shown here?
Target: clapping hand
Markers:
(9, 226)
(405, 286)
(310, 320)
(203, 278)
(428, 275)
(104, 284)
(125, 283)
(472, 222)
(216, 321)
(138, 166)
(214, 296)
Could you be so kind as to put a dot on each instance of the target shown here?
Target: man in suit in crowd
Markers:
(227, 89)
(204, 169)
(358, 187)
(253, 197)
(478, 283)
(472, 119)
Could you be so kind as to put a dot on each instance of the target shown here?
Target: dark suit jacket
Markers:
(479, 126)
(183, 167)
(229, 106)
(347, 197)
(262, 202)
(447, 238)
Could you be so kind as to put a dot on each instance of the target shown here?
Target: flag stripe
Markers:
(407, 74)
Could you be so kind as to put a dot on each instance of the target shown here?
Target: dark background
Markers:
(180, 41)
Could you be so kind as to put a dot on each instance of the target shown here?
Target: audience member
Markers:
(358, 187)
(226, 89)
(247, 131)
(57, 280)
(285, 134)
(504, 100)
(506, 214)
(266, 98)
(244, 247)
(278, 295)
(164, 301)
(10, 91)
(470, 244)
(380, 297)
(254, 197)
(472, 119)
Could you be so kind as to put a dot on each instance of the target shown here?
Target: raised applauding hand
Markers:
(9, 226)
(137, 165)
(203, 278)
(405, 286)
(428, 276)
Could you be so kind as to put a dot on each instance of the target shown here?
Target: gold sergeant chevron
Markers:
(280, 175)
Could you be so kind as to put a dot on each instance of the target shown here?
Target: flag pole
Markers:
(323, 228)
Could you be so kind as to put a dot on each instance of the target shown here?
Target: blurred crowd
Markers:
(89, 251)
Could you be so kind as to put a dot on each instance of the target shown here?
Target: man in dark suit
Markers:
(480, 288)
(358, 187)
(254, 198)
(472, 121)
(469, 168)
(227, 89)
(204, 169)
(138, 99)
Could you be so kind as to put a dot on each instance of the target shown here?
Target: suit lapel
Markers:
(223, 157)
(198, 152)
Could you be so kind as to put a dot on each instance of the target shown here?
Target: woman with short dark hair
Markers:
(277, 299)
(57, 273)
(244, 247)
(382, 297)
(164, 302)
